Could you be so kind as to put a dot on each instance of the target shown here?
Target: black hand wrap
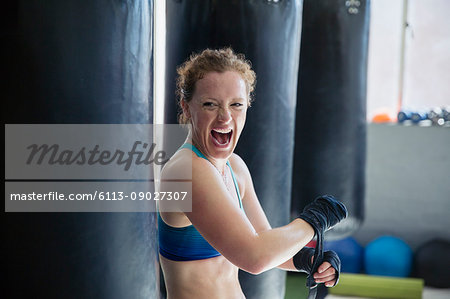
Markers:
(332, 257)
(322, 214)
(303, 261)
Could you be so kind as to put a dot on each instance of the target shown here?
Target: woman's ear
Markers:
(185, 107)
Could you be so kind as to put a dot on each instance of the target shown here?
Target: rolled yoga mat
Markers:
(369, 286)
(330, 130)
(80, 62)
(268, 33)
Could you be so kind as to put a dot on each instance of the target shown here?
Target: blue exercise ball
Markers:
(350, 253)
(388, 256)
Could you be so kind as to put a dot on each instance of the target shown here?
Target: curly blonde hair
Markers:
(209, 60)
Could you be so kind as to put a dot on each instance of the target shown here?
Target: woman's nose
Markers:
(224, 115)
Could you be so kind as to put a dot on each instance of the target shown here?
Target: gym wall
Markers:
(407, 183)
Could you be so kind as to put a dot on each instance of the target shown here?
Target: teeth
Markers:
(223, 131)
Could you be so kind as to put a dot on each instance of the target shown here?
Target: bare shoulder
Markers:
(186, 165)
(239, 166)
(242, 174)
(177, 175)
(178, 167)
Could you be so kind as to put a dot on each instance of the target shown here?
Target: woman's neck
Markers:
(219, 164)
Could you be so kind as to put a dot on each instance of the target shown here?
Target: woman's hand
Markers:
(328, 271)
(326, 274)
(324, 213)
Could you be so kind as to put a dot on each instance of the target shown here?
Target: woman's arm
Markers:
(248, 243)
(288, 266)
(252, 206)
(326, 273)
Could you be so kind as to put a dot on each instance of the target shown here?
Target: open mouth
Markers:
(221, 137)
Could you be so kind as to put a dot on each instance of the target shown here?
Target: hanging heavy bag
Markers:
(330, 131)
(268, 33)
(80, 62)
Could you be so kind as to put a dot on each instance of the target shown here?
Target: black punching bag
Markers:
(330, 132)
(188, 30)
(268, 33)
(80, 62)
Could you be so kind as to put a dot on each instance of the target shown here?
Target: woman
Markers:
(201, 251)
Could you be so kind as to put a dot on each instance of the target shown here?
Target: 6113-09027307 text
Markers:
(116, 195)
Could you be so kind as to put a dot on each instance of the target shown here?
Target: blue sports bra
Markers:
(186, 243)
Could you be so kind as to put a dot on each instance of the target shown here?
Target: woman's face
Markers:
(217, 111)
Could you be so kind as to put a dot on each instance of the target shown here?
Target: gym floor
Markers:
(295, 289)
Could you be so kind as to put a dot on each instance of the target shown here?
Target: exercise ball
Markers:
(350, 253)
(432, 263)
(388, 256)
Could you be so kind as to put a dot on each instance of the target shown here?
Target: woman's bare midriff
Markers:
(208, 278)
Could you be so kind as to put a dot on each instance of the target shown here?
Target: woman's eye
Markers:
(237, 104)
(208, 104)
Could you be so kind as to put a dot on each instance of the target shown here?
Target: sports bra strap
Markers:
(194, 149)
(236, 186)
